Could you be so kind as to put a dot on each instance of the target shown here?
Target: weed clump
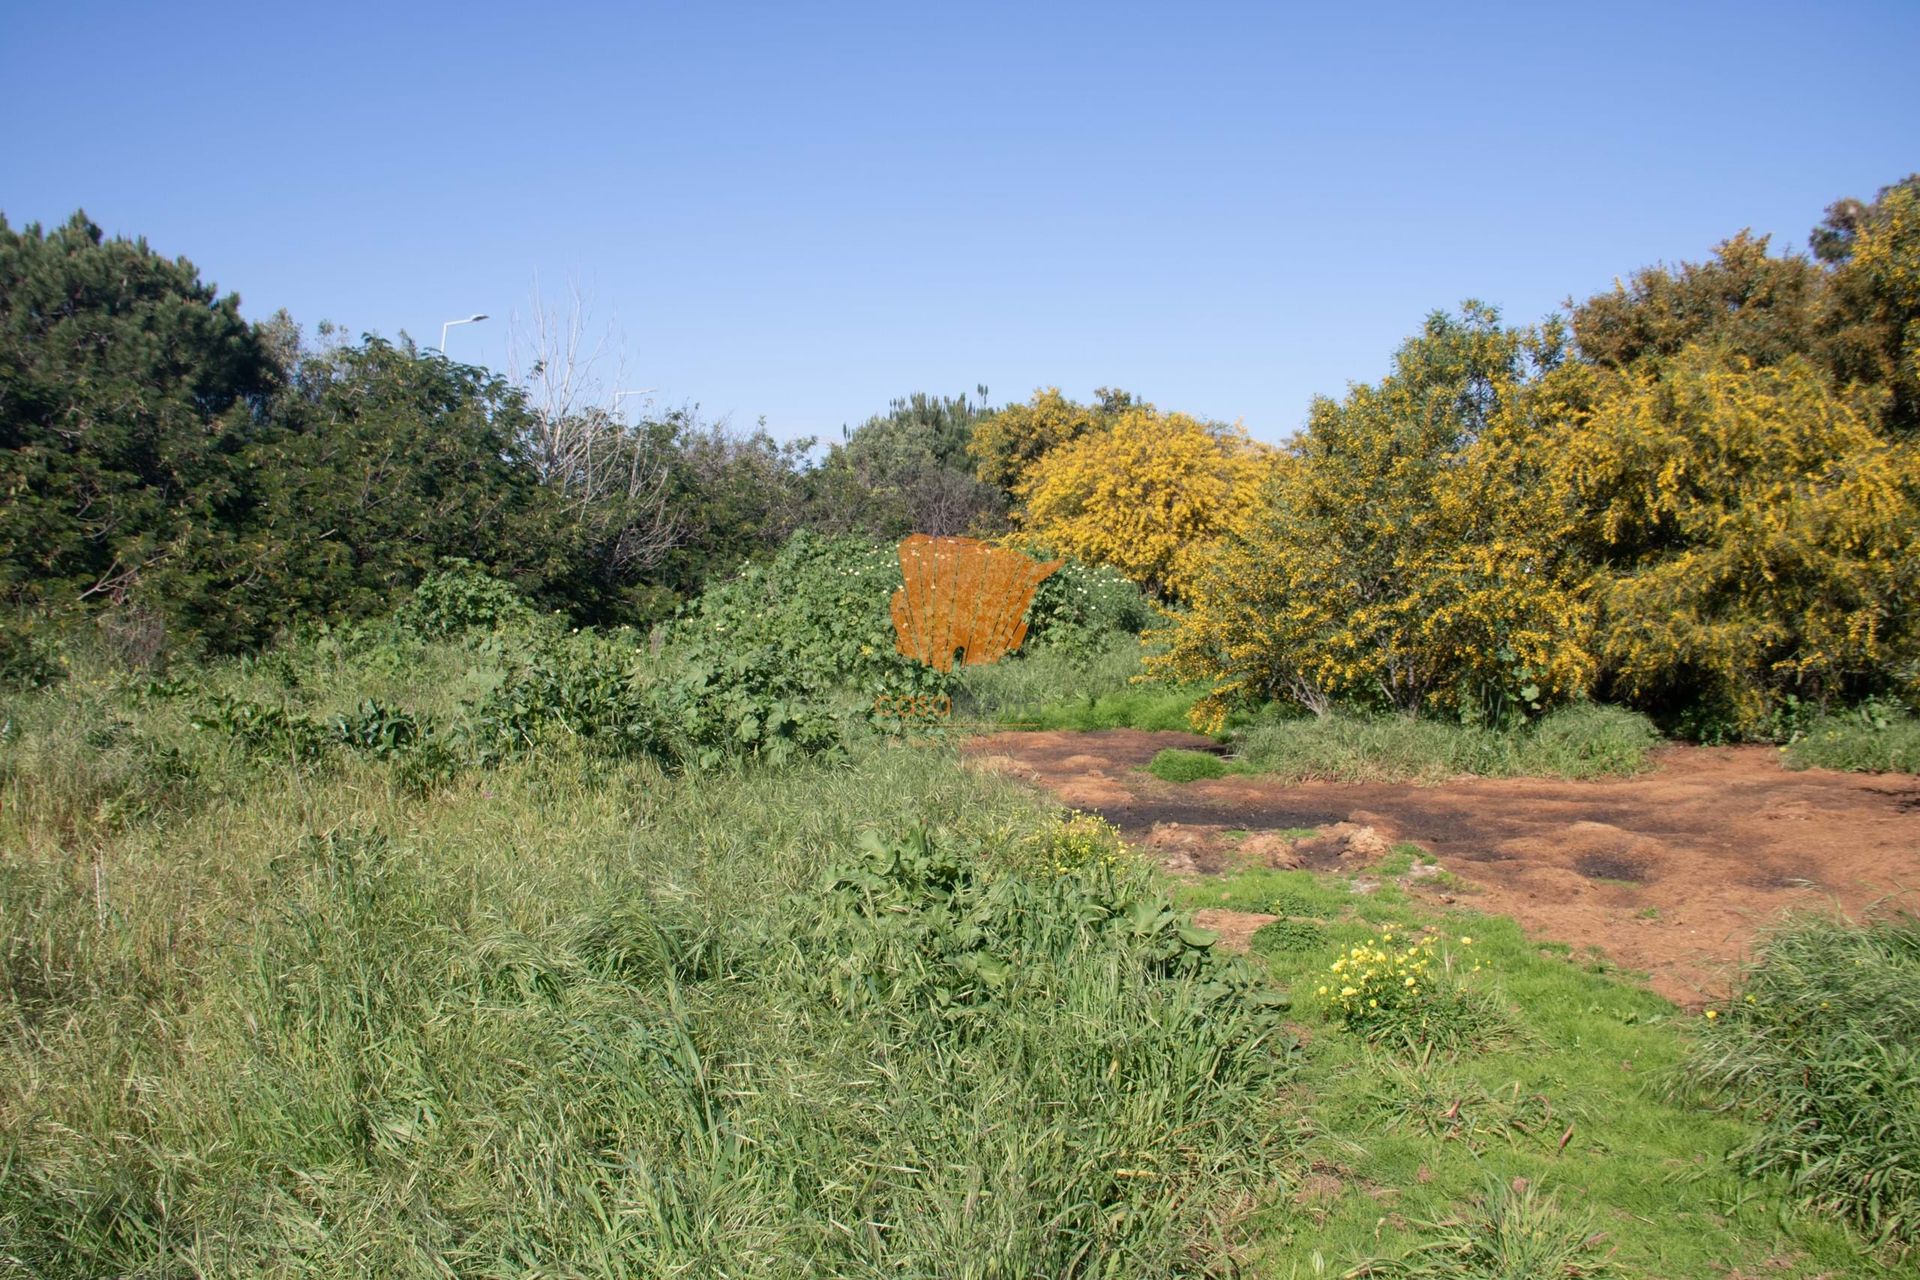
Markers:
(1407, 993)
(1821, 1044)
(1868, 739)
(1516, 1230)
(1286, 937)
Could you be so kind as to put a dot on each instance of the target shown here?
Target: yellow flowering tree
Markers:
(1406, 555)
(1005, 445)
(1753, 536)
(1873, 314)
(1148, 493)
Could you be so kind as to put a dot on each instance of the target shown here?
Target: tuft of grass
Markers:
(1283, 936)
(1858, 743)
(1582, 741)
(1178, 765)
(1515, 1232)
(1821, 1044)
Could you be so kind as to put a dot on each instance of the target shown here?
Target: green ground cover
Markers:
(496, 949)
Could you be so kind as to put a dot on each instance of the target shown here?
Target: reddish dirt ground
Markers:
(1671, 872)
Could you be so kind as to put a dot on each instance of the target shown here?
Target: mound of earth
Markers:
(1671, 872)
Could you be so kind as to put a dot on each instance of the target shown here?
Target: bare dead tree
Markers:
(615, 478)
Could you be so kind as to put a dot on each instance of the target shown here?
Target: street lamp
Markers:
(449, 324)
(618, 396)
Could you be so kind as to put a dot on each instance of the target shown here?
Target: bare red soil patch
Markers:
(1671, 872)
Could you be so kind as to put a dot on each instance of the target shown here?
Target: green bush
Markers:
(1079, 608)
(1286, 937)
(462, 597)
(1821, 1044)
(1875, 738)
(817, 616)
(29, 657)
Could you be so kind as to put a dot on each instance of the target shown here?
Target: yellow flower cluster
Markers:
(1377, 974)
(1381, 976)
(1082, 841)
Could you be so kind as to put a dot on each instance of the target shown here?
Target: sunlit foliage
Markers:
(1148, 494)
(1752, 539)
(1406, 556)
(1006, 444)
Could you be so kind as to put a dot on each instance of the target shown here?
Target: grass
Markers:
(1583, 741)
(574, 1015)
(864, 1015)
(1409, 1141)
(1859, 744)
(1178, 765)
(1821, 1043)
(1051, 689)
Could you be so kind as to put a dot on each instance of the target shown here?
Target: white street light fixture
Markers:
(618, 396)
(449, 324)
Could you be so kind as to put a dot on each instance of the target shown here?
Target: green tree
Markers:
(907, 471)
(379, 462)
(734, 496)
(129, 391)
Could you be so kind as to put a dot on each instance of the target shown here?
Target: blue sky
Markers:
(802, 211)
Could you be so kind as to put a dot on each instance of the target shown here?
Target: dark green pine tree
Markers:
(129, 389)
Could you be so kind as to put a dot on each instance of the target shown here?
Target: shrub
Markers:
(1752, 533)
(1146, 493)
(1286, 937)
(1075, 843)
(1872, 738)
(462, 597)
(582, 688)
(921, 923)
(749, 704)
(29, 658)
(818, 613)
(1821, 1043)
(1405, 556)
(1079, 608)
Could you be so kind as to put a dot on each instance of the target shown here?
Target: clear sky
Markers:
(801, 211)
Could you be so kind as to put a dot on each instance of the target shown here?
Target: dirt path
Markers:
(1670, 872)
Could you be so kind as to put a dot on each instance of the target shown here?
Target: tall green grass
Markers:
(573, 1015)
(1858, 743)
(1821, 1043)
(1582, 741)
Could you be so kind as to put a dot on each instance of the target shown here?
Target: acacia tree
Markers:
(1744, 300)
(1145, 493)
(1872, 311)
(1405, 555)
(1752, 538)
(1006, 444)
